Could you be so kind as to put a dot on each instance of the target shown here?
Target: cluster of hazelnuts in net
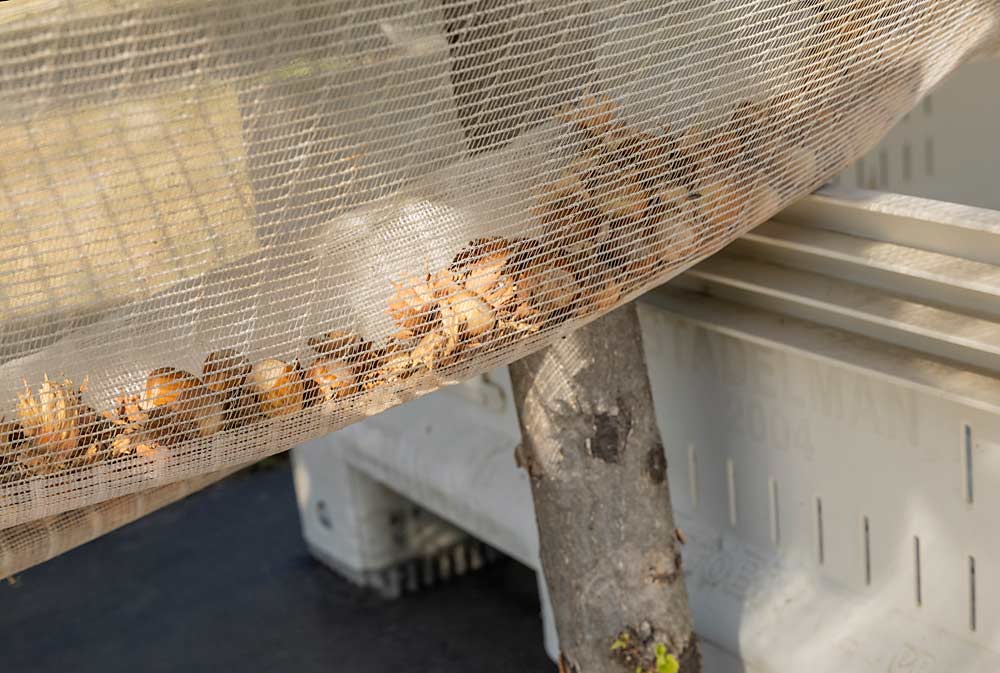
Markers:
(629, 206)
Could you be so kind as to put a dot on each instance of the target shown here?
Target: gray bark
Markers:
(609, 548)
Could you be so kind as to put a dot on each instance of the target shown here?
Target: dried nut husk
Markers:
(166, 427)
(584, 163)
(595, 114)
(311, 393)
(672, 197)
(58, 426)
(333, 378)
(693, 154)
(676, 224)
(720, 205)
(605, 298)
(580, 237)
(369, 372)
(435, 349)
(227, 372)
(361, 355)
(139, 442)
(544, 292)
(128, 410)
(413, 306)
(339, 344)
(367, 366)
(623, 145)
(396, 365)
(491, 280)
(644, 257)
(96, 436)
(450, 329)
(659, 161)
(726, 149)
(278, 386)
(462, 312)
(131, 436)
(205, 409)
(165, 385)
(619, 196)
(180, 406)
(477, 316)
(569, 215)
(477, 250)
(558, 201)
(640, 270)
(525, 252)
(51, 419)
(484, 269)
(754, 124)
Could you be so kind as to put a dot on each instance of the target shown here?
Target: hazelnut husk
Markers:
(333, 378)
(545, 292)
(226, 372)
(340, 344)
(413, 306)
(279, 387)
(165, 385)
(60, 430)
(181, 406)
(131, 436)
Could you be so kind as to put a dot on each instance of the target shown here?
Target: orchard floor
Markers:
(222, 581)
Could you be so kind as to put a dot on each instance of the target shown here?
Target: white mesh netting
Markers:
(232, 226)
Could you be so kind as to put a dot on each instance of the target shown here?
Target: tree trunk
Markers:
(609, 549)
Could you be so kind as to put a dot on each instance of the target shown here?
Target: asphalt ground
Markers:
(222, 581)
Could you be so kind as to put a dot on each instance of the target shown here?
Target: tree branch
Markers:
(598, 477)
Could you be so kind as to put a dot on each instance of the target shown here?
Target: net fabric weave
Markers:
(28, 544)
(232, 226)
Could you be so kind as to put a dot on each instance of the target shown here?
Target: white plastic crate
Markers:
(832, 426)
(828, 391)
(947, 148)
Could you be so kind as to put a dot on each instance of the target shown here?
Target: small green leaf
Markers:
(621, 642)
(667, 664)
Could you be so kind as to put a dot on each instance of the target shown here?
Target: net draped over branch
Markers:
(232, 226)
